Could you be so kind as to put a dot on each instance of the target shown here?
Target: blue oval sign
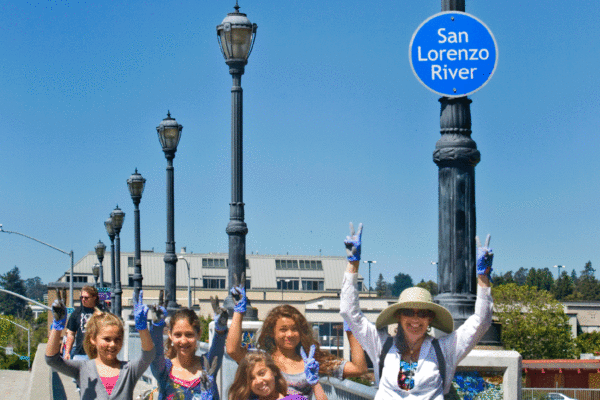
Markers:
(453, 54)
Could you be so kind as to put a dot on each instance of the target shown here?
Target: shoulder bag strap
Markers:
(386, 348)
(440, 360)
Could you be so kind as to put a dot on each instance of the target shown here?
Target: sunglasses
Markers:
(419, 313)
(86, 297)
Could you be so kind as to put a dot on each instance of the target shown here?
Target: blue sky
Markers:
(336, 129)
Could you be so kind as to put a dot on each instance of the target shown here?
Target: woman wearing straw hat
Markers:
(411, 364)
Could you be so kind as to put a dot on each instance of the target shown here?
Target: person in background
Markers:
(76, 324)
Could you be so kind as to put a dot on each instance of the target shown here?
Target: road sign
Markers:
(453, 54)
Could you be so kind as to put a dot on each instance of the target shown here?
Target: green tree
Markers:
(520, 276)
(542, 279)
(563, 286)
(503, 279)
(35, 288)
(533, 322)
(9, 304)
(588, 342)
(429, 285)
(401, 282)
(381, 287)
(587, 287)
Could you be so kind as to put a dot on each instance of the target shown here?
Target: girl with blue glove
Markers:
(103, 376)
(258, 378)
(181, 374)
(286, 336)
(412, 364)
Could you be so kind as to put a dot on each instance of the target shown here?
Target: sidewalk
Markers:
(14, 383)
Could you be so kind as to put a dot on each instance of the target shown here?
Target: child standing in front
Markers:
(258, 378)
(103, 376)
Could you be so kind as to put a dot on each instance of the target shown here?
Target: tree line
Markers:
(14, 309)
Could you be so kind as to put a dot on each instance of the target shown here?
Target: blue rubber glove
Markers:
(485, 256)
(353, 243)
(221, 315)
(59, 313)
(238, 292)
(311, 366)
(159, 314)
(347, 327)
(140, 313)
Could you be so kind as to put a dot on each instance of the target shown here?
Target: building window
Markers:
(312, 285)
(299, 264)
(218, 263)
(248, 283)
(76, 279)
(214, 263)
(360, 286)
(291, 284)
(213, 283)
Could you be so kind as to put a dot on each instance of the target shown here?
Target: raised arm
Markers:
(460, 342)
(53, 358)
(358, 365)
(158, 366)
(364, 331)
(235, 350)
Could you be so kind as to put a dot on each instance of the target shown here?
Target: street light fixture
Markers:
(110, 230)
(169, 134)
(100, 250)
(559, 267)
(70, 254)
(136, 187)
(181, 257)
(370, 262)
(118, 216)
(236, 36)
(96, 273)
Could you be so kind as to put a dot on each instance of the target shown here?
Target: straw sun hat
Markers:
(419, 299)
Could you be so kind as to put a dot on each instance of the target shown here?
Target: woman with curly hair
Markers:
(287, 336)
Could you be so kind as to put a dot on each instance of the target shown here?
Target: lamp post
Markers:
(456, 156)
(117, 222)
(111, 234)
(559, 267)
(100, 250)
(96, 272)
(286, 281)
(136, 188)
(169, 133)
(370, 262)
(194, 279)
(181, 257)
(236, 37)
(70, 254)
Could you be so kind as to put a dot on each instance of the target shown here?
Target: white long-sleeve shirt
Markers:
(428, 381)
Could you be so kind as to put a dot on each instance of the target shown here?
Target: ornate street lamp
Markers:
(136, 188)
(169, 133)
(236, 35)
(100, 250)
(96, 273)
(118, 216)
(111, 234)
